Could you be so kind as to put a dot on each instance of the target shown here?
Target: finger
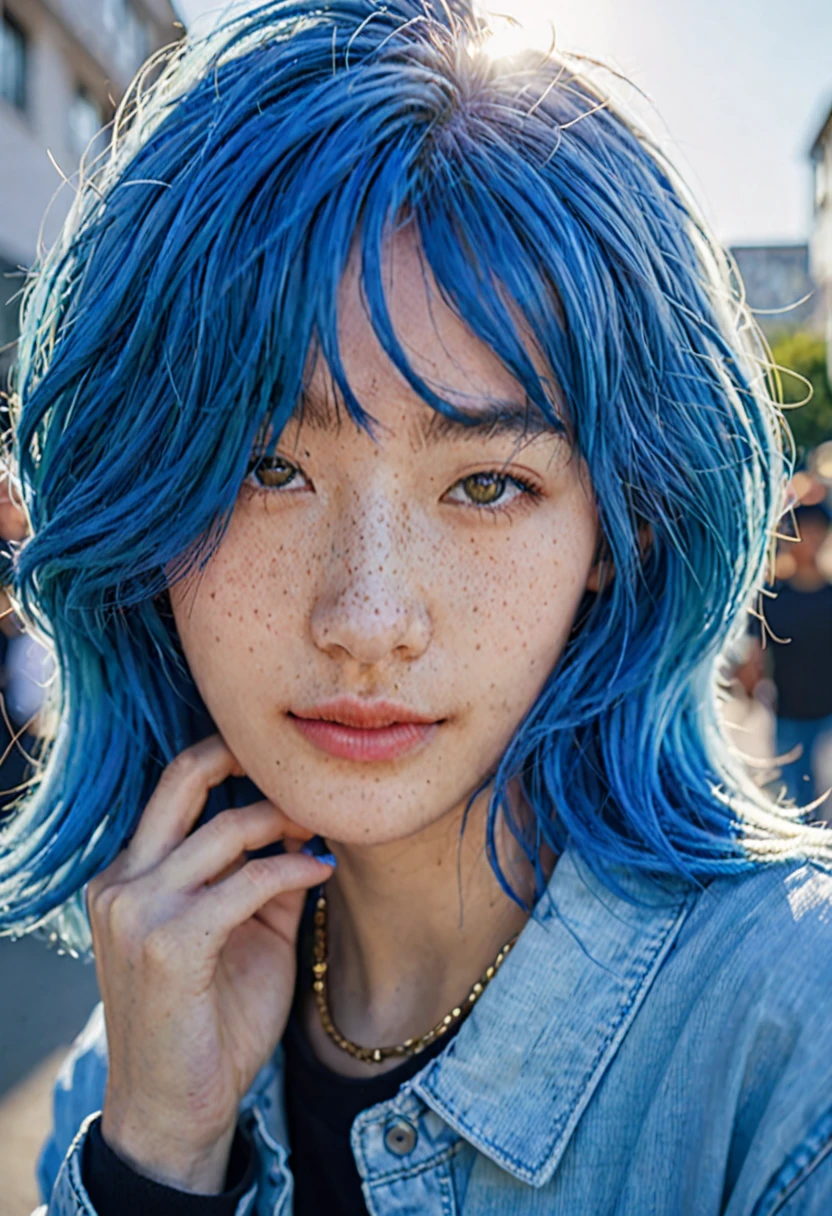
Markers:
(282, 914)
(217, 845)
(178, 801)
(227, 904)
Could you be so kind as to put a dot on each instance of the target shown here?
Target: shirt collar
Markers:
(522, 1068)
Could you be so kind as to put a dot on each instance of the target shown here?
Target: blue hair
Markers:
(173, 321)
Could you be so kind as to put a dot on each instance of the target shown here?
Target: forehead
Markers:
(440, 349)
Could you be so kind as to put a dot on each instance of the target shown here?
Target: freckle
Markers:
(217, 639)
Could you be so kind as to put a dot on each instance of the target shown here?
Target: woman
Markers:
(394, 444)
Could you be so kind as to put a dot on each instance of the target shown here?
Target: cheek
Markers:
(240, 615)
(518, 598)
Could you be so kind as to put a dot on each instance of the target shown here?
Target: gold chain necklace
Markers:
(410, 1047)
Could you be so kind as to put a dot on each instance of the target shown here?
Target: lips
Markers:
(364, 731)
(369, 715)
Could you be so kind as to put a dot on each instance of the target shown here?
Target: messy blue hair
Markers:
(172, 323)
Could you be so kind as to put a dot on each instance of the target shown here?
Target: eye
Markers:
(491, 489)
(274, 473)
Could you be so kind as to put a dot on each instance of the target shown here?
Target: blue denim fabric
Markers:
(669, 1059)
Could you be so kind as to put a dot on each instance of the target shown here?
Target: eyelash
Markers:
(529, 491)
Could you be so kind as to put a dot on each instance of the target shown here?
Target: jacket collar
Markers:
(522, 1068)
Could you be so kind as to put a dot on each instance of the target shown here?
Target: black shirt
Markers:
(116, 1190)
(320, 1109)
(802, 658)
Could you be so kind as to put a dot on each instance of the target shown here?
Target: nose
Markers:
(370, 607)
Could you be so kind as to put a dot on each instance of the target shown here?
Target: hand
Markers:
(195, 955)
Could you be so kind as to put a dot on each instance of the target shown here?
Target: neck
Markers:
(411, 926)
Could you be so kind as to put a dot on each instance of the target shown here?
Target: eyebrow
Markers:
(493, 419)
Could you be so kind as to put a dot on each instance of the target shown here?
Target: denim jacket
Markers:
(671, 1058)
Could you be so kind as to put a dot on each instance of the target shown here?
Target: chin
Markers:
(353, 816)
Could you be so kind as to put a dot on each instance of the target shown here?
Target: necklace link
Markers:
(410, 1047)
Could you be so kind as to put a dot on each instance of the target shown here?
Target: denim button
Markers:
(400, 1137)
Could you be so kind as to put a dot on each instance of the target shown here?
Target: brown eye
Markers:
(484, 488)
(273, 472)
(491, 491)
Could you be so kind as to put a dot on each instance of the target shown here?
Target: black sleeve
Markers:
(115, 1190)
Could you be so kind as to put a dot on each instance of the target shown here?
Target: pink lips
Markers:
(358, 730)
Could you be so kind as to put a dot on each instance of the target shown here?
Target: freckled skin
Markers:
(363, 578)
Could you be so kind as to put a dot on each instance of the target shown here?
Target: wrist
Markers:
(170, 1160)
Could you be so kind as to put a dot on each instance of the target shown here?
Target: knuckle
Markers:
(99, 898)
(123, 913)
(159, 948)
(183, 768)
(96, 887)
(259, 872)
(223, 827)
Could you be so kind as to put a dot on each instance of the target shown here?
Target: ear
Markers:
(602, 570)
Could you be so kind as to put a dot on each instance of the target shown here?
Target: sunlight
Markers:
(517, 26)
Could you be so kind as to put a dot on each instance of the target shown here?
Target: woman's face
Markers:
(436, 569)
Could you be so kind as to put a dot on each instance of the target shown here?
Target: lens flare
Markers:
(517, 28)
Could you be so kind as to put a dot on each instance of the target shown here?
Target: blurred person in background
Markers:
(797, 655)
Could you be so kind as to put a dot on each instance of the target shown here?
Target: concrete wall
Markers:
(71, 43)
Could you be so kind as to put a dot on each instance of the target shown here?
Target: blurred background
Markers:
(740, 93)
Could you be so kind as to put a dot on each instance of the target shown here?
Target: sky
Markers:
(738, 88)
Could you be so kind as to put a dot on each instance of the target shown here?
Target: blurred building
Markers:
(821, 242)
(780, 287)
(64, 65)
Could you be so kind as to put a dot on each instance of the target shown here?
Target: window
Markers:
(13, 56)
(85, 123)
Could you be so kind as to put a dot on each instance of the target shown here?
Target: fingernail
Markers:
(328, 859)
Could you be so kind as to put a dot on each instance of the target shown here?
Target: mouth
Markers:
(365, 731)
